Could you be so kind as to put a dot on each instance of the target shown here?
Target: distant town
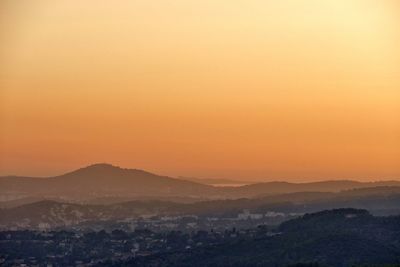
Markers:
(62, 248)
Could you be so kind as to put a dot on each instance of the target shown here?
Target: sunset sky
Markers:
(295, 90)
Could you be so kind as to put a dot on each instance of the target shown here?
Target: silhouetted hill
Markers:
(101, 180)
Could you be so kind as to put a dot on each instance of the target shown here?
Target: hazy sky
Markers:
(258, 89)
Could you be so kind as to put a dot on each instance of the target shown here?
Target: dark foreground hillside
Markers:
(337, 238)
(344, 237)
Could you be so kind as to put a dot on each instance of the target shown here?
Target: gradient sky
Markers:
(253, 89)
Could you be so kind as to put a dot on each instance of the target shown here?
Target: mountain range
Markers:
(104, 181)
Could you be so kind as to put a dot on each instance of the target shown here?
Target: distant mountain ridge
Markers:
(105, 180)
(379, 201)
(102, 180)
(271, 188)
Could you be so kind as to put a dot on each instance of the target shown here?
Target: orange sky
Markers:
(258, 89)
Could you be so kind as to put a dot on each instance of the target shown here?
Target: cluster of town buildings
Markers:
(62, 248)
